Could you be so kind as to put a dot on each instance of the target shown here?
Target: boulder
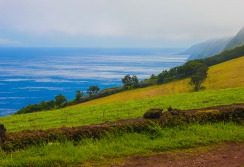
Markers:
(2, 133)
(154, 113)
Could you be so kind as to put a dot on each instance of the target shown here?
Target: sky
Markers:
(117, 23)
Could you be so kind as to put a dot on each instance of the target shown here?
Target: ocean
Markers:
(32, 75)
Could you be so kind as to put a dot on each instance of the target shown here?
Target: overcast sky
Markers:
(117, 23)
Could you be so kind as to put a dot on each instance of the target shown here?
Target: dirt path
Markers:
(224, 155)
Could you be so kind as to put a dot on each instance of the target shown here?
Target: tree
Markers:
(153, 77)
(60, 100)
(92, 90)
(162, 76)
(199, 76)
(78, 95)
(43, 105)
(130, 82)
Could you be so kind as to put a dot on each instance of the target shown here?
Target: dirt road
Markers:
(224, 155)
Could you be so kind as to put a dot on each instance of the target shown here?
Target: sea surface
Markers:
(32, 75)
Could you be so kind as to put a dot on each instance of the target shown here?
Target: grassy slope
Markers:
(233, 69)
(229, 74)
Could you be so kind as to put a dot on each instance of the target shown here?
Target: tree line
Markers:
(60, 101)
(195, 69)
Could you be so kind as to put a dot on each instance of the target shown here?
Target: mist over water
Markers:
(31, 75)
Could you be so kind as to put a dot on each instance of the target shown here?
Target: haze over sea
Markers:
(32, 75)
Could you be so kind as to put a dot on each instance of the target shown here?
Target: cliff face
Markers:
(206, 49)
(236, 41)
(213, 47)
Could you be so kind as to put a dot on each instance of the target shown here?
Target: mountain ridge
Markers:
(236, 41)
(207, 48)
(215, 46)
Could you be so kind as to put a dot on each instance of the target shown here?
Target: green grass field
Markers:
(94, 114)
(123, 144)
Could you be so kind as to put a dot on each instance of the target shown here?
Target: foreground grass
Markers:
(123, 144)
(94, 114)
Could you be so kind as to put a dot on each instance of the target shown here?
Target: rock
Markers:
(170, 108)
(2, 133)
(153, 113)
(175, 112)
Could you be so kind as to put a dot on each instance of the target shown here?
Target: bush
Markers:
(93, 90)
(2, 134)
(130, 82)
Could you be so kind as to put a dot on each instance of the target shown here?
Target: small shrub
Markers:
(170, 108)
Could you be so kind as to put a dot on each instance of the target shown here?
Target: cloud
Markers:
(127, 20)
(8, 42)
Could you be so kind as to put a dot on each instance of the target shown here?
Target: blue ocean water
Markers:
(31, 75)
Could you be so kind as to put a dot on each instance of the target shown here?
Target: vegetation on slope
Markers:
(189, 68)
(217, 79)
(224, 56)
